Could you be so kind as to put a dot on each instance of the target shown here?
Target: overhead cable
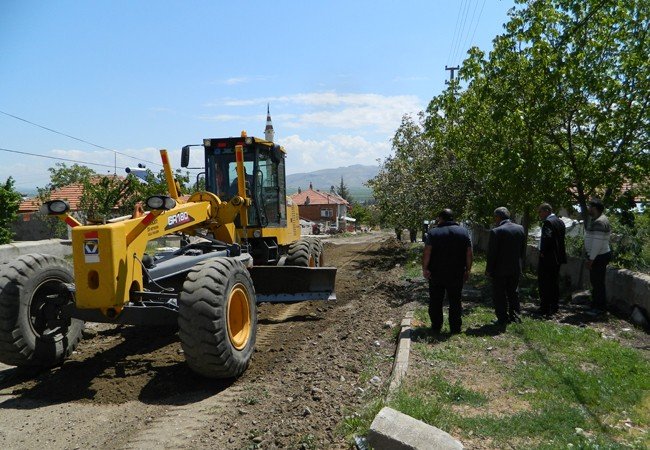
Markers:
(76, 138)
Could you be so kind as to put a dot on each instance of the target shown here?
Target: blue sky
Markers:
(137, 76)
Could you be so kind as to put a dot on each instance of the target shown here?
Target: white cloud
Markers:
(305, 155)
(335, 110)
(241, 80)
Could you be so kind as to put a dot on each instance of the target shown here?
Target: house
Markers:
(71, 193)
(325, 208)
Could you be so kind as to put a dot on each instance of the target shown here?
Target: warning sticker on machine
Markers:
(91, 250)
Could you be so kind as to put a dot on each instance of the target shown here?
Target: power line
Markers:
(77, 139)
(462, 29)
(453, 39)
(469, 27)
(477, 21)
(61, 159)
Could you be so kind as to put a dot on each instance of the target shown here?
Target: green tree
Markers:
(568, 84)
(62, 175)
(413, 183)
(344, 192)
(105, 197)
(362, 214)
(9, 203)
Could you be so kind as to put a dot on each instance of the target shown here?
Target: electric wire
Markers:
(112, 166)
(467, 42)
(477, 21)
(76, 138)
(453, 39)
(462, 29)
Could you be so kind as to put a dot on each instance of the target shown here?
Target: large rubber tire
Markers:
(34, 331)
(318, 252)
(218, 318)
(300, 253)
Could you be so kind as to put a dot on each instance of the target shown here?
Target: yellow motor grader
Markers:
(241, 246)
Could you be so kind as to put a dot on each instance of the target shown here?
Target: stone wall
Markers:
(625, 288)
(56, 247)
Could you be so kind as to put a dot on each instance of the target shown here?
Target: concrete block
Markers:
(392, 430)
(56, 247)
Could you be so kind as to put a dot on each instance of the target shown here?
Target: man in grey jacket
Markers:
(506, 249)
(599, 254)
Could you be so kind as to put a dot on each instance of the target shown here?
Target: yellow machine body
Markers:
(108, 257)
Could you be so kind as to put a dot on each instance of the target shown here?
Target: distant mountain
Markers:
(354, 177)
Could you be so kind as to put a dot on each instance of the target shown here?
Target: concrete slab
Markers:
(392, 430)
(56, 247)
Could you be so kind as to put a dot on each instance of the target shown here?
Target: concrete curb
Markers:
(400, 366)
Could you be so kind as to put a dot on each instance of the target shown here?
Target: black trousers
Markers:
(436, 297)
(597, 279)
(548, 280)
(505, 296)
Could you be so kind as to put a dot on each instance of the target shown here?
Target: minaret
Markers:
(268, 131)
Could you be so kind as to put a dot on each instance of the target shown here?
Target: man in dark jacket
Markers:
(552, 254)
(506, 248)
(446, 263)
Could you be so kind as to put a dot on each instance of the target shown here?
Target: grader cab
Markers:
(241, 246)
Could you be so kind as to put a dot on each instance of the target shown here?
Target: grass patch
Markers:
(413, 266)
(358, 423)
(538, 385)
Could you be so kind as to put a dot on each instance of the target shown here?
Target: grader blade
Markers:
(289, 284)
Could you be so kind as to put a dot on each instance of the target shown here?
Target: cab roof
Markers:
(232, 141)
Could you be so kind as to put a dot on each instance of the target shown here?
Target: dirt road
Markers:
(129, 387)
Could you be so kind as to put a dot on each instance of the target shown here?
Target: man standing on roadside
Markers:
(598, 253)
(506, 248)
(446, 263)
(552, 254)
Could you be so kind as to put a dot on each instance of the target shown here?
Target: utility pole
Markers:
(452, 70)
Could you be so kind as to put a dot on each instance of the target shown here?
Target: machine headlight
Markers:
(257, 233)
(206, 142)
(249, 140)
(161, 202)
(55, 207)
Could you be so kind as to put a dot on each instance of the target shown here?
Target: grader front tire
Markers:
(35, 330)
(218, 318)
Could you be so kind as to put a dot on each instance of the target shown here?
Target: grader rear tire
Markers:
(300, 253)
(34, 328)
(218, 318)
(318, 252)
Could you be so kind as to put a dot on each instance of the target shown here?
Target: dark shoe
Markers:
(455, 331)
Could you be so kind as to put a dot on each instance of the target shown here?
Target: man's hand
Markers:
(466, 276)
(426, 273)
(589, 264)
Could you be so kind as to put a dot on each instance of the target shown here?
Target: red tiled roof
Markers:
(72, 194)
(318, 198)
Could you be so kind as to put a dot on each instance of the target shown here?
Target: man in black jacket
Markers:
(506, 248)
(446, 263)
(552, 254)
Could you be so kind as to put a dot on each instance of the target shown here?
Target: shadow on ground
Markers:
(143, 366)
